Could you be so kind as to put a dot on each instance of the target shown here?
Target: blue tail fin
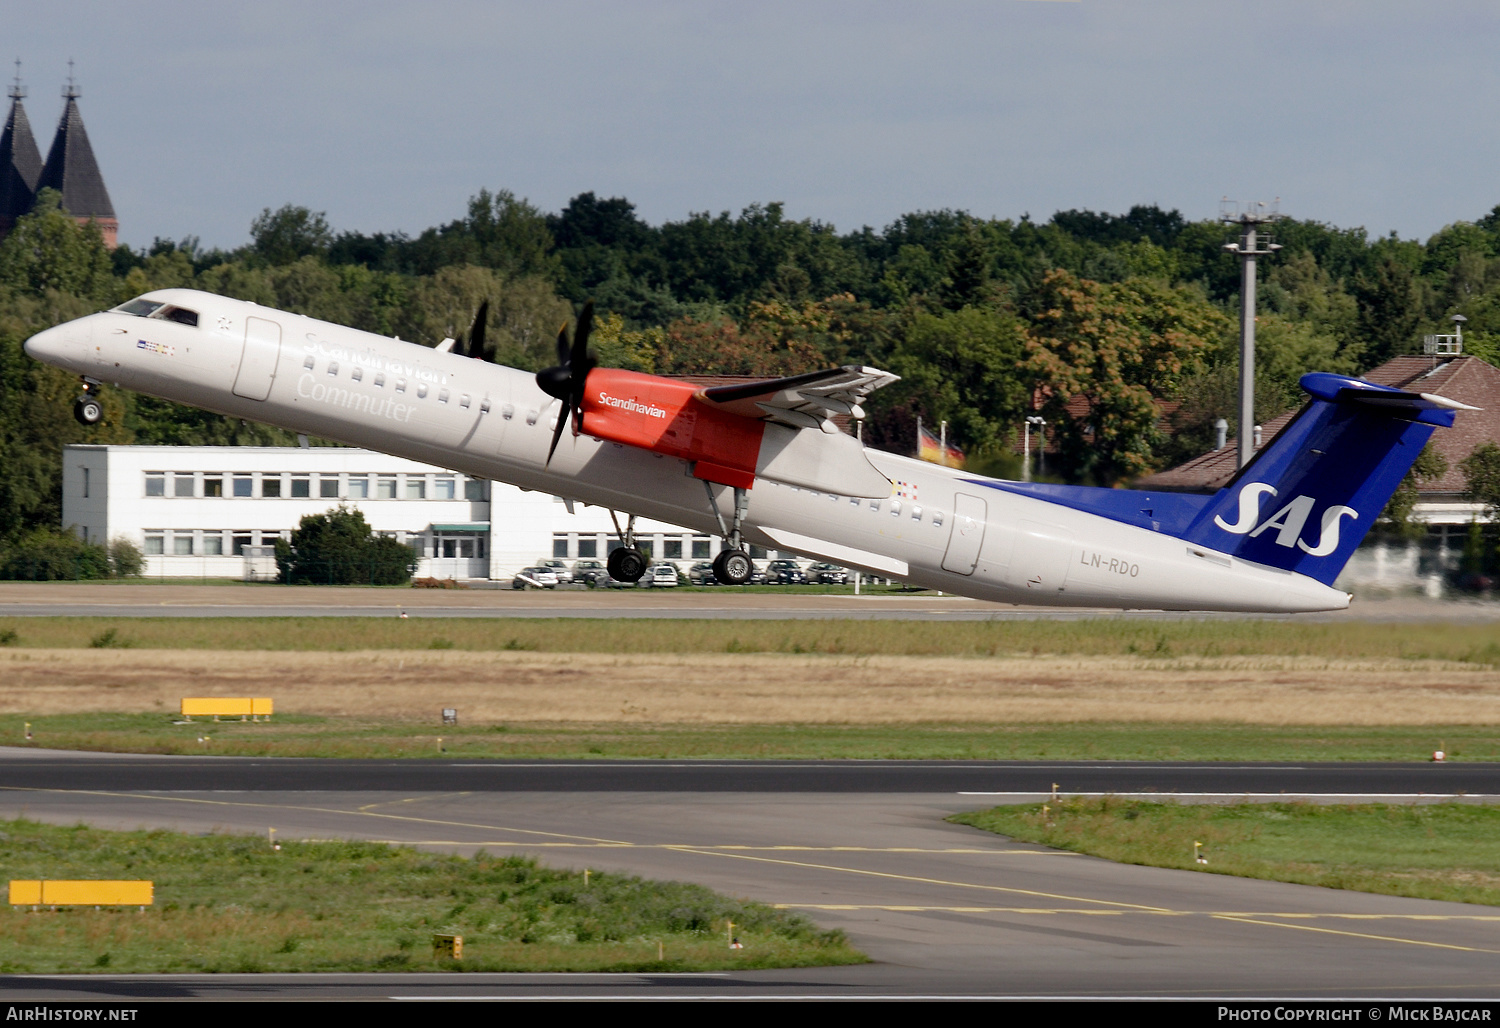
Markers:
(1306, 501)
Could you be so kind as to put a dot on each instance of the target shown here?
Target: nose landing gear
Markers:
(87, 409)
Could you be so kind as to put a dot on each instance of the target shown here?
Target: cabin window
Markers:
(156, 484)
(357, 373)
(508, 411)
(484, 406)
(875, 505)
(916, 513)
(333, 368)
(937, 518)
(895, 508)
(442, 396)
(400, 385)
(422, 391)
(379, 380)
(309, 363)
(854, 501)
(463, 401)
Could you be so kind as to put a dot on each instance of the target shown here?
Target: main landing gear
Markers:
(732, 566)
(625, 563)
(87, 409)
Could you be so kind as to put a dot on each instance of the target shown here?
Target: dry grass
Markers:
(759, 688)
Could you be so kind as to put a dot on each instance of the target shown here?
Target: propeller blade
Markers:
(477, 332)
(564, 351)
(562, 420)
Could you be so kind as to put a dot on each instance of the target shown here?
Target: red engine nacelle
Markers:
(665, 416)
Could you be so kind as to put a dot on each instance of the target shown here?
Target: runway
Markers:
(156, 600)
(944, 910)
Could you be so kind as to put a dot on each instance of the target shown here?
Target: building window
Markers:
(328, 487)
(385, 489)
(474, 489)
(359, 487)
(244, 486)
(416, 487)
(156, 483)
(671, 548)
(213, 486)
(182, 544)
(301, 486)
(182, 484)
(85, 483)
(213, 544)
(559, 546)
(700, 547)
(588, 547)
(240, 541)
(443, 488)
(154, 544)
(270, 486)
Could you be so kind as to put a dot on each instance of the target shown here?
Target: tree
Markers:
(290, 233)
(48, 250)
(1102, 355)
(337, 548)
(1481, 470)
(1428, 467)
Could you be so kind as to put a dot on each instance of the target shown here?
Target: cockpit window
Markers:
(143, 308)
(140, 308)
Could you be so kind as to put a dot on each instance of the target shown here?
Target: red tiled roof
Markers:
(1465, 379)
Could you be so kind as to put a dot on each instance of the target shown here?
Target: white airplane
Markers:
(763, 463)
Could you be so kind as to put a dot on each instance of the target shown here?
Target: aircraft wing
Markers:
(801, 401)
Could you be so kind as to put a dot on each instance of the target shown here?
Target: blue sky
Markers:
(389, 116)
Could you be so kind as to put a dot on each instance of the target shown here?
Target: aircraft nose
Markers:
(65, 346)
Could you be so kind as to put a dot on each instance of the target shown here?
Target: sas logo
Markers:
(1288, 521)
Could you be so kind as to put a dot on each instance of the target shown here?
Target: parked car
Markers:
(538, 577)
(785, 572)
(588, 572)
(660, 576)
(560, 568)
(702, 573)
(828, 574)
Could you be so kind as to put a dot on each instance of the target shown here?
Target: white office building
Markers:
(217, 511)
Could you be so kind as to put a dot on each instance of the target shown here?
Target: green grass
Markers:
(310, 736)
(232, 904)
(1469, 643)
(1441, 852)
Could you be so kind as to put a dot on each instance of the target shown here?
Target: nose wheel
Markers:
(87, 409)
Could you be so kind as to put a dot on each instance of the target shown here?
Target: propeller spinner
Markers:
(566, 380)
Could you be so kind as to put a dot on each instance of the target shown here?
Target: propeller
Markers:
(475, 339)
(566, 380)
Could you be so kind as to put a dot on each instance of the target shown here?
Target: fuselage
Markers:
(937, 527)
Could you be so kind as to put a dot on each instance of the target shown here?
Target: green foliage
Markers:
(289, 234)
(52, 555)
(125, 559)
(1481, 470)
(47, 250)
(337, 548)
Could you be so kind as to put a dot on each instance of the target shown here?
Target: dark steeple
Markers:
(20, 162)
(73, 172)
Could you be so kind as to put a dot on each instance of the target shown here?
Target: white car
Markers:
(661, 576)
(540, 577)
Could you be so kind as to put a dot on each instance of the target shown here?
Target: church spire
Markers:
(73, 172)
(20, 161)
